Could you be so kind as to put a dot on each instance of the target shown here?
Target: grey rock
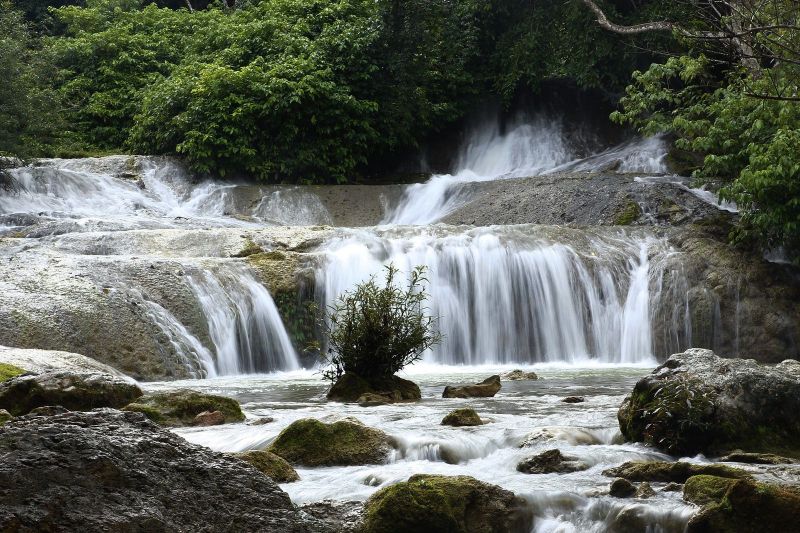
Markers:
(551, 461)
(485, 389)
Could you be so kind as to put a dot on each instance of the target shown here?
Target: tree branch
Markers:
(603, 21)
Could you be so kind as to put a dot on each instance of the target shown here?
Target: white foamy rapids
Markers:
(502, 297)
(701, 192)
(243, 323)
(537, 147)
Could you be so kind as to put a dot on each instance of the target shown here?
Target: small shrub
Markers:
(375, 331)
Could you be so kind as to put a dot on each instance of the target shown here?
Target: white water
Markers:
(515, 295)
(531, 148)
(699, 192)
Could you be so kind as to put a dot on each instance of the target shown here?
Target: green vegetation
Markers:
(376, 331)
(9, 371)
(270, 465)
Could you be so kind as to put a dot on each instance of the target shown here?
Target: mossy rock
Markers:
(459, 504)
(269, 464)
(5, 416)
(9, 371)
(666, 472)
(351, 387)
(742, 505)
(309, 442)
(73, 390)
(179, 408)
(249, 248)
(462, 417)
(704, 489)
(629, 214)
(485, 389)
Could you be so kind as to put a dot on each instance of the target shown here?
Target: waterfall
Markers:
(243, 323)
(515, 295)
(528, 148)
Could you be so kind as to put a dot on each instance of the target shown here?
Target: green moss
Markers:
(269, 464)
(629, 214)
(705, 489)
(179, 408)
(462, 417)
(310, 442)
(9, 371)
(250, 248)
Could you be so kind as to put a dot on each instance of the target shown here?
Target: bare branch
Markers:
(603, 21)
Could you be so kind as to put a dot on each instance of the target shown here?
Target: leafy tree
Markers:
(376, 331)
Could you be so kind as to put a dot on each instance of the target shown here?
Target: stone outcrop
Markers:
(462, 417)
(310, 442)
(678, 472)
(109, 470)
(182, 408)
(459, 504)
(550, 462)
(698, 402)
(38, 361)
(74, 391)
(353, 388)
(270, 465)
(485, 389)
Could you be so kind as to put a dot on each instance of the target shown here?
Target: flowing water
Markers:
(590, 310)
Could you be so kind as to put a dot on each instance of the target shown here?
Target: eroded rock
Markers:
(485, 389)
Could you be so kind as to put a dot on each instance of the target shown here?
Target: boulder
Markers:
(38, 361)
(74, 391)
(108, 470)
(309, 442)
(353, 388)
(269, 464)
(518, 375)
(574, 399)
(644, 490)
(697, 402)
(9, 371)
(733, 506)
(459, 504)
(462, 417)
(181, 408)
(485, 389)
(622, 488)
(209, 418)
(665, 472)
(551, 461)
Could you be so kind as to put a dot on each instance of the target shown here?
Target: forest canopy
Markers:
(317, 91)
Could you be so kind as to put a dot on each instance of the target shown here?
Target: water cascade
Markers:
(517, 295)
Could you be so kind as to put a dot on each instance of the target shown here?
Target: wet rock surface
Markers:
(270, 465)
(665, 472)
(187, 408)
(485, 389)
(551, 461)
(38, 361)
(110, 470)
(518, 375)
(74, 391)
(462, 417)
(699, 402)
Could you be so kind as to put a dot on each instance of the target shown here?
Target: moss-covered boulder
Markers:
(485, 389)
(9, 371)
(353, 388)
(459, 504)
(269, 464)
(735, 506)
(74, 391)
(462, 417)
(309, 442)
(697, 402)
(180, 408)
(665, 472)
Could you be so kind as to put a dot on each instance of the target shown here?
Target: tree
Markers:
(376, 331)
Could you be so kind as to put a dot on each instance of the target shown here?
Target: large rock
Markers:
(182, 408)
(353, 388)
(743, 505)
(549, 462)
(269, 464)
(38, 361)
(485, 389)
(678, 472)
(75, 391)
(460, 504)
(699, 402)
(462, 417)
(309, 442)
(109, 470)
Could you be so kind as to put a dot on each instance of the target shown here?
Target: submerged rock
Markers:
(733, 506)
(485, 389)
(182, 407)
(569, 434)
(309, 442)
(269, 464)
(109, 470)
(462, 417)
(518, 375)
(458, 504)
(353, 388)
(74, 391)
(665, 472)
(697, 402)
(551, 461)
(574, 399)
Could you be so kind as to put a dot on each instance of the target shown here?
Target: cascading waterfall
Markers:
(508, 296)
(243, 322)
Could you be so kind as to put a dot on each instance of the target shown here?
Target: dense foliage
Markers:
(375, 331)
